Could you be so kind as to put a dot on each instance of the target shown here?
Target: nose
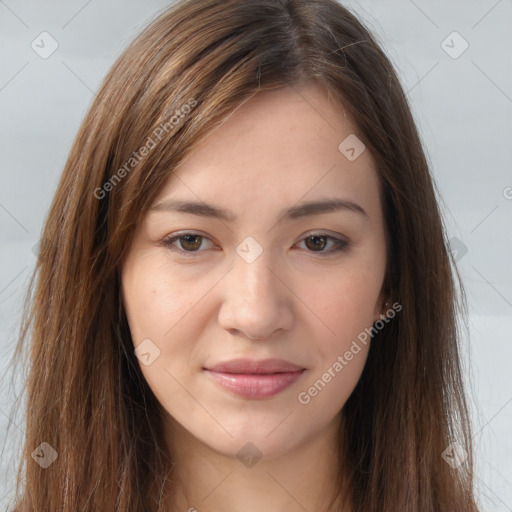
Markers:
(257, 300)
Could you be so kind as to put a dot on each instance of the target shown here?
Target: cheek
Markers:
(325, 394)
(155, 301)
(149, 306)
(153, 310)
(341, 343)
(343, 304)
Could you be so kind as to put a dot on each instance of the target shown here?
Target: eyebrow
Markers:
(301, 210)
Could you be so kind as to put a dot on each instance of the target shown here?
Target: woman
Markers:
(244, 298)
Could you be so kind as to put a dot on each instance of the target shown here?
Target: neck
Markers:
(303, 479)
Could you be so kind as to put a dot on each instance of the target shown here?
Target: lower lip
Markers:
(251, 385)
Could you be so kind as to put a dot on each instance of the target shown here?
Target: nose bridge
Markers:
(252, 277)
(255, 300)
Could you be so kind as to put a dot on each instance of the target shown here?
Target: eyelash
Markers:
(341, 245)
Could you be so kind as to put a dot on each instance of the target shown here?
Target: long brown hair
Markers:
(86, 396)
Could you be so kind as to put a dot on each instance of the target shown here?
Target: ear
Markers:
(381, 306)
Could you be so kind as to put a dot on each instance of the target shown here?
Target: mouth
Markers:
(255, 379)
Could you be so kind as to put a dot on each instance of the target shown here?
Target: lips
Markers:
(252, 366)
(255, 379)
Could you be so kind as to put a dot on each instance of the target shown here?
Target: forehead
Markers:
(278, 148)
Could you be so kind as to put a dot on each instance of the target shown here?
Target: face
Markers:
(255, 283)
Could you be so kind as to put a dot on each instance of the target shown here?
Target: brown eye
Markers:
(186, 244)
(319, 241)
(316, 242)
(191, 242)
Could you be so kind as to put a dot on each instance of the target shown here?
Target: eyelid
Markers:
(342, 243)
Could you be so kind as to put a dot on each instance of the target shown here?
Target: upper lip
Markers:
(253, 366)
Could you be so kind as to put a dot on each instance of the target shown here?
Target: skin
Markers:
(297, 301)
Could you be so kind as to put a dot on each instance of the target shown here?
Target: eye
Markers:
(318, 241)
(189, 243)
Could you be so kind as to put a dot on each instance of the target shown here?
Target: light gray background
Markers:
(463, 107)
